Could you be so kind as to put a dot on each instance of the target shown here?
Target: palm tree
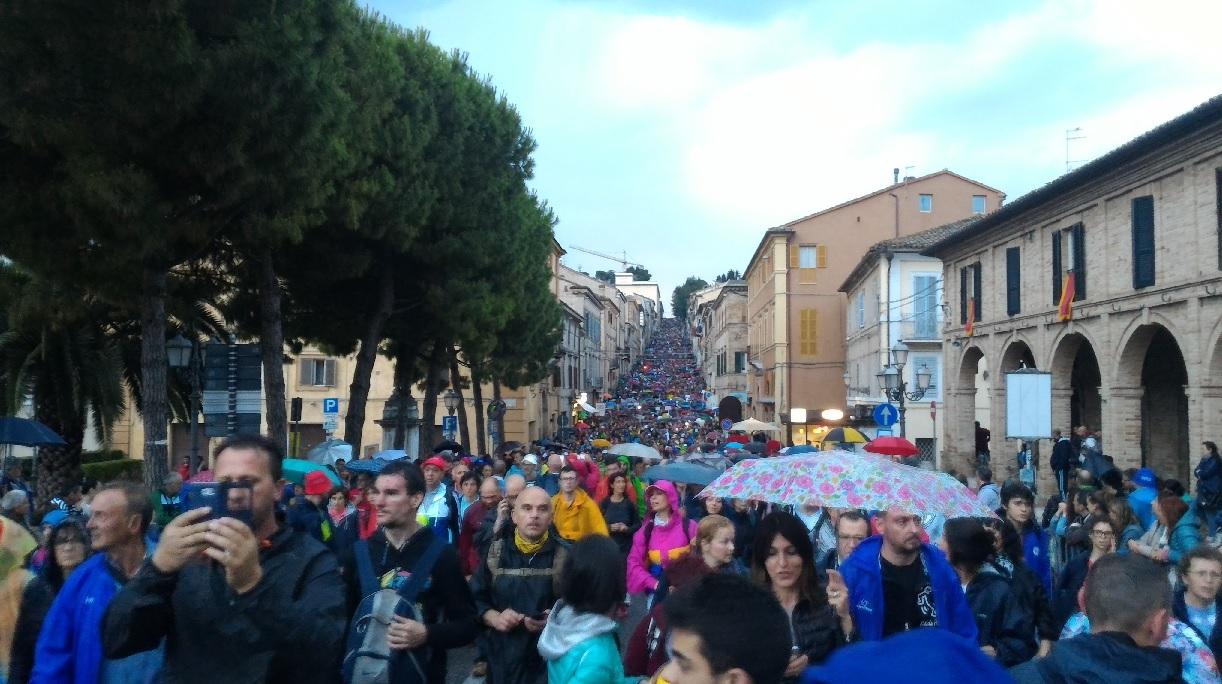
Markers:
(56, 352)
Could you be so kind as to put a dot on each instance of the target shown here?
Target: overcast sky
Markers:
(679, 131)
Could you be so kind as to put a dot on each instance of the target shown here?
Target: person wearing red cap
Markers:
(438, 505)
(309, 515)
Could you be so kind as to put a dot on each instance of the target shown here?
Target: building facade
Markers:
(894, 297)
(1110, 279)
(718, 323)
(795, 311)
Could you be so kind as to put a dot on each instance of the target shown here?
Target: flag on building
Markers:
(970, 328)
(1065, 307)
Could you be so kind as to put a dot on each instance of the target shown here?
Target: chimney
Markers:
(896, 173)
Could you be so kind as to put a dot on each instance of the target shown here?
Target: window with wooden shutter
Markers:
(1078, 235)
(1218, 199)
(1058, 275)
(1013, 282)
(821, 256)
(809, 333)
(793, 256)
(976, 272)
(963, 295)
(1143, 242)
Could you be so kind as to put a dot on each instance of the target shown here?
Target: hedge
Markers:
(118, 469)
(102, 456)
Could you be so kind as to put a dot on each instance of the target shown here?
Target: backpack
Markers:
(367, 656)
(648, 532)
(494, 565)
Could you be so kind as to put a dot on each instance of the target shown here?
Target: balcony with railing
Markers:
(920, 329)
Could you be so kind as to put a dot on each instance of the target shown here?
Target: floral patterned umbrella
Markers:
(843, 479)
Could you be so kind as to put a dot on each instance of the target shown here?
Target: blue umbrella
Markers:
(368, 465)
(326, 452)
(801, 449)
(683, 473)
(25, 432)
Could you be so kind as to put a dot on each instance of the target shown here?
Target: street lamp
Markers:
(894, 388)
(184, 356)
(451, 400)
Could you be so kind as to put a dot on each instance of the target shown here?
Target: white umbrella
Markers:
(326, 452)
(753, 425)
(635, 450)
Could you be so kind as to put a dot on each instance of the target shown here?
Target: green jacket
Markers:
(580, 648)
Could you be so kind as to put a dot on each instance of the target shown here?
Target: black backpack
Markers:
(367, 656)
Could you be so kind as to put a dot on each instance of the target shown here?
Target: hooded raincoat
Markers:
(654, 546)
(581, 648)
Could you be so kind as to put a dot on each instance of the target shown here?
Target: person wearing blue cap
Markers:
(1141, 500)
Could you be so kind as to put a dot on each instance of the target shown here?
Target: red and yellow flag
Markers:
(1065, 306)
(970, 328)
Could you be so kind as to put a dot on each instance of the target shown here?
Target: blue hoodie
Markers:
(863, 575)
(1035, 554)
(69, 647)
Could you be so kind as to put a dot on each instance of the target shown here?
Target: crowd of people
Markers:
(539, 556)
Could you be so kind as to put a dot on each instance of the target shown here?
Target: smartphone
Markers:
(226, 499)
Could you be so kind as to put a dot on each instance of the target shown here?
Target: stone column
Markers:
(1122, 425)
(1001, 450)
(959, 435)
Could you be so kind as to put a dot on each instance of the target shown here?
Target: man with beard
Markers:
(897, 583)
(515, 588)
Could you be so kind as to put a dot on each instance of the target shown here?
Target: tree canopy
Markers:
(678, 299)
(304, 170)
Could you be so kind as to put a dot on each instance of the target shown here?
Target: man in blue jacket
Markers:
(897, 583)
(69, 647)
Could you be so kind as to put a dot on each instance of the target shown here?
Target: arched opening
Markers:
(1075, 372)
(1164, 405)
(971, 395)
(1018, 355)
(730, 408)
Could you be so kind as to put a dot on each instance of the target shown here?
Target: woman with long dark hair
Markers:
(1003, 632)
(67, 549)
(784, 561)
(1102, 535)
(620, 512)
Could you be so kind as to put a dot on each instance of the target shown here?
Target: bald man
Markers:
(480, 515)
(515, 587)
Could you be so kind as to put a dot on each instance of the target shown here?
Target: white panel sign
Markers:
(1028, 405)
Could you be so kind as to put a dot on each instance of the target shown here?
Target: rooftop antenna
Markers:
(1069, 135)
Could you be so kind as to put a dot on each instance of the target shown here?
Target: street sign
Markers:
(726, 424)
(330, 422)
(449, 426)
(885, 415)
(330, 405)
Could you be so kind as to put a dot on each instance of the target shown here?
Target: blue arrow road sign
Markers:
(886, 415)
(330, 405)
(726, 424)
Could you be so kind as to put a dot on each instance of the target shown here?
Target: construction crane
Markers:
(622, 259)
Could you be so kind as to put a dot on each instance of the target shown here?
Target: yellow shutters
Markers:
(809, 332)
(808, 259)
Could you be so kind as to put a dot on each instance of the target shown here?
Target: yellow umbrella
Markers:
(843, 435)
(601, 444)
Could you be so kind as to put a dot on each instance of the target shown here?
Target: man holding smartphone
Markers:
(235, 603)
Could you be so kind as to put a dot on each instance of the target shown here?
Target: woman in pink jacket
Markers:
(665, 537)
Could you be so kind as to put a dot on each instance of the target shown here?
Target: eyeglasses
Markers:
(1102, 535)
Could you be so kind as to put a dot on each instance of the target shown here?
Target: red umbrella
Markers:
(892, 446)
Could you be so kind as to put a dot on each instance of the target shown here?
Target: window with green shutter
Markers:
(1143, 242)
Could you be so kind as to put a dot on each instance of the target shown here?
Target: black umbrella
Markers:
(447, 445)
(755, 447)
(25, 432)
(508, 447)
